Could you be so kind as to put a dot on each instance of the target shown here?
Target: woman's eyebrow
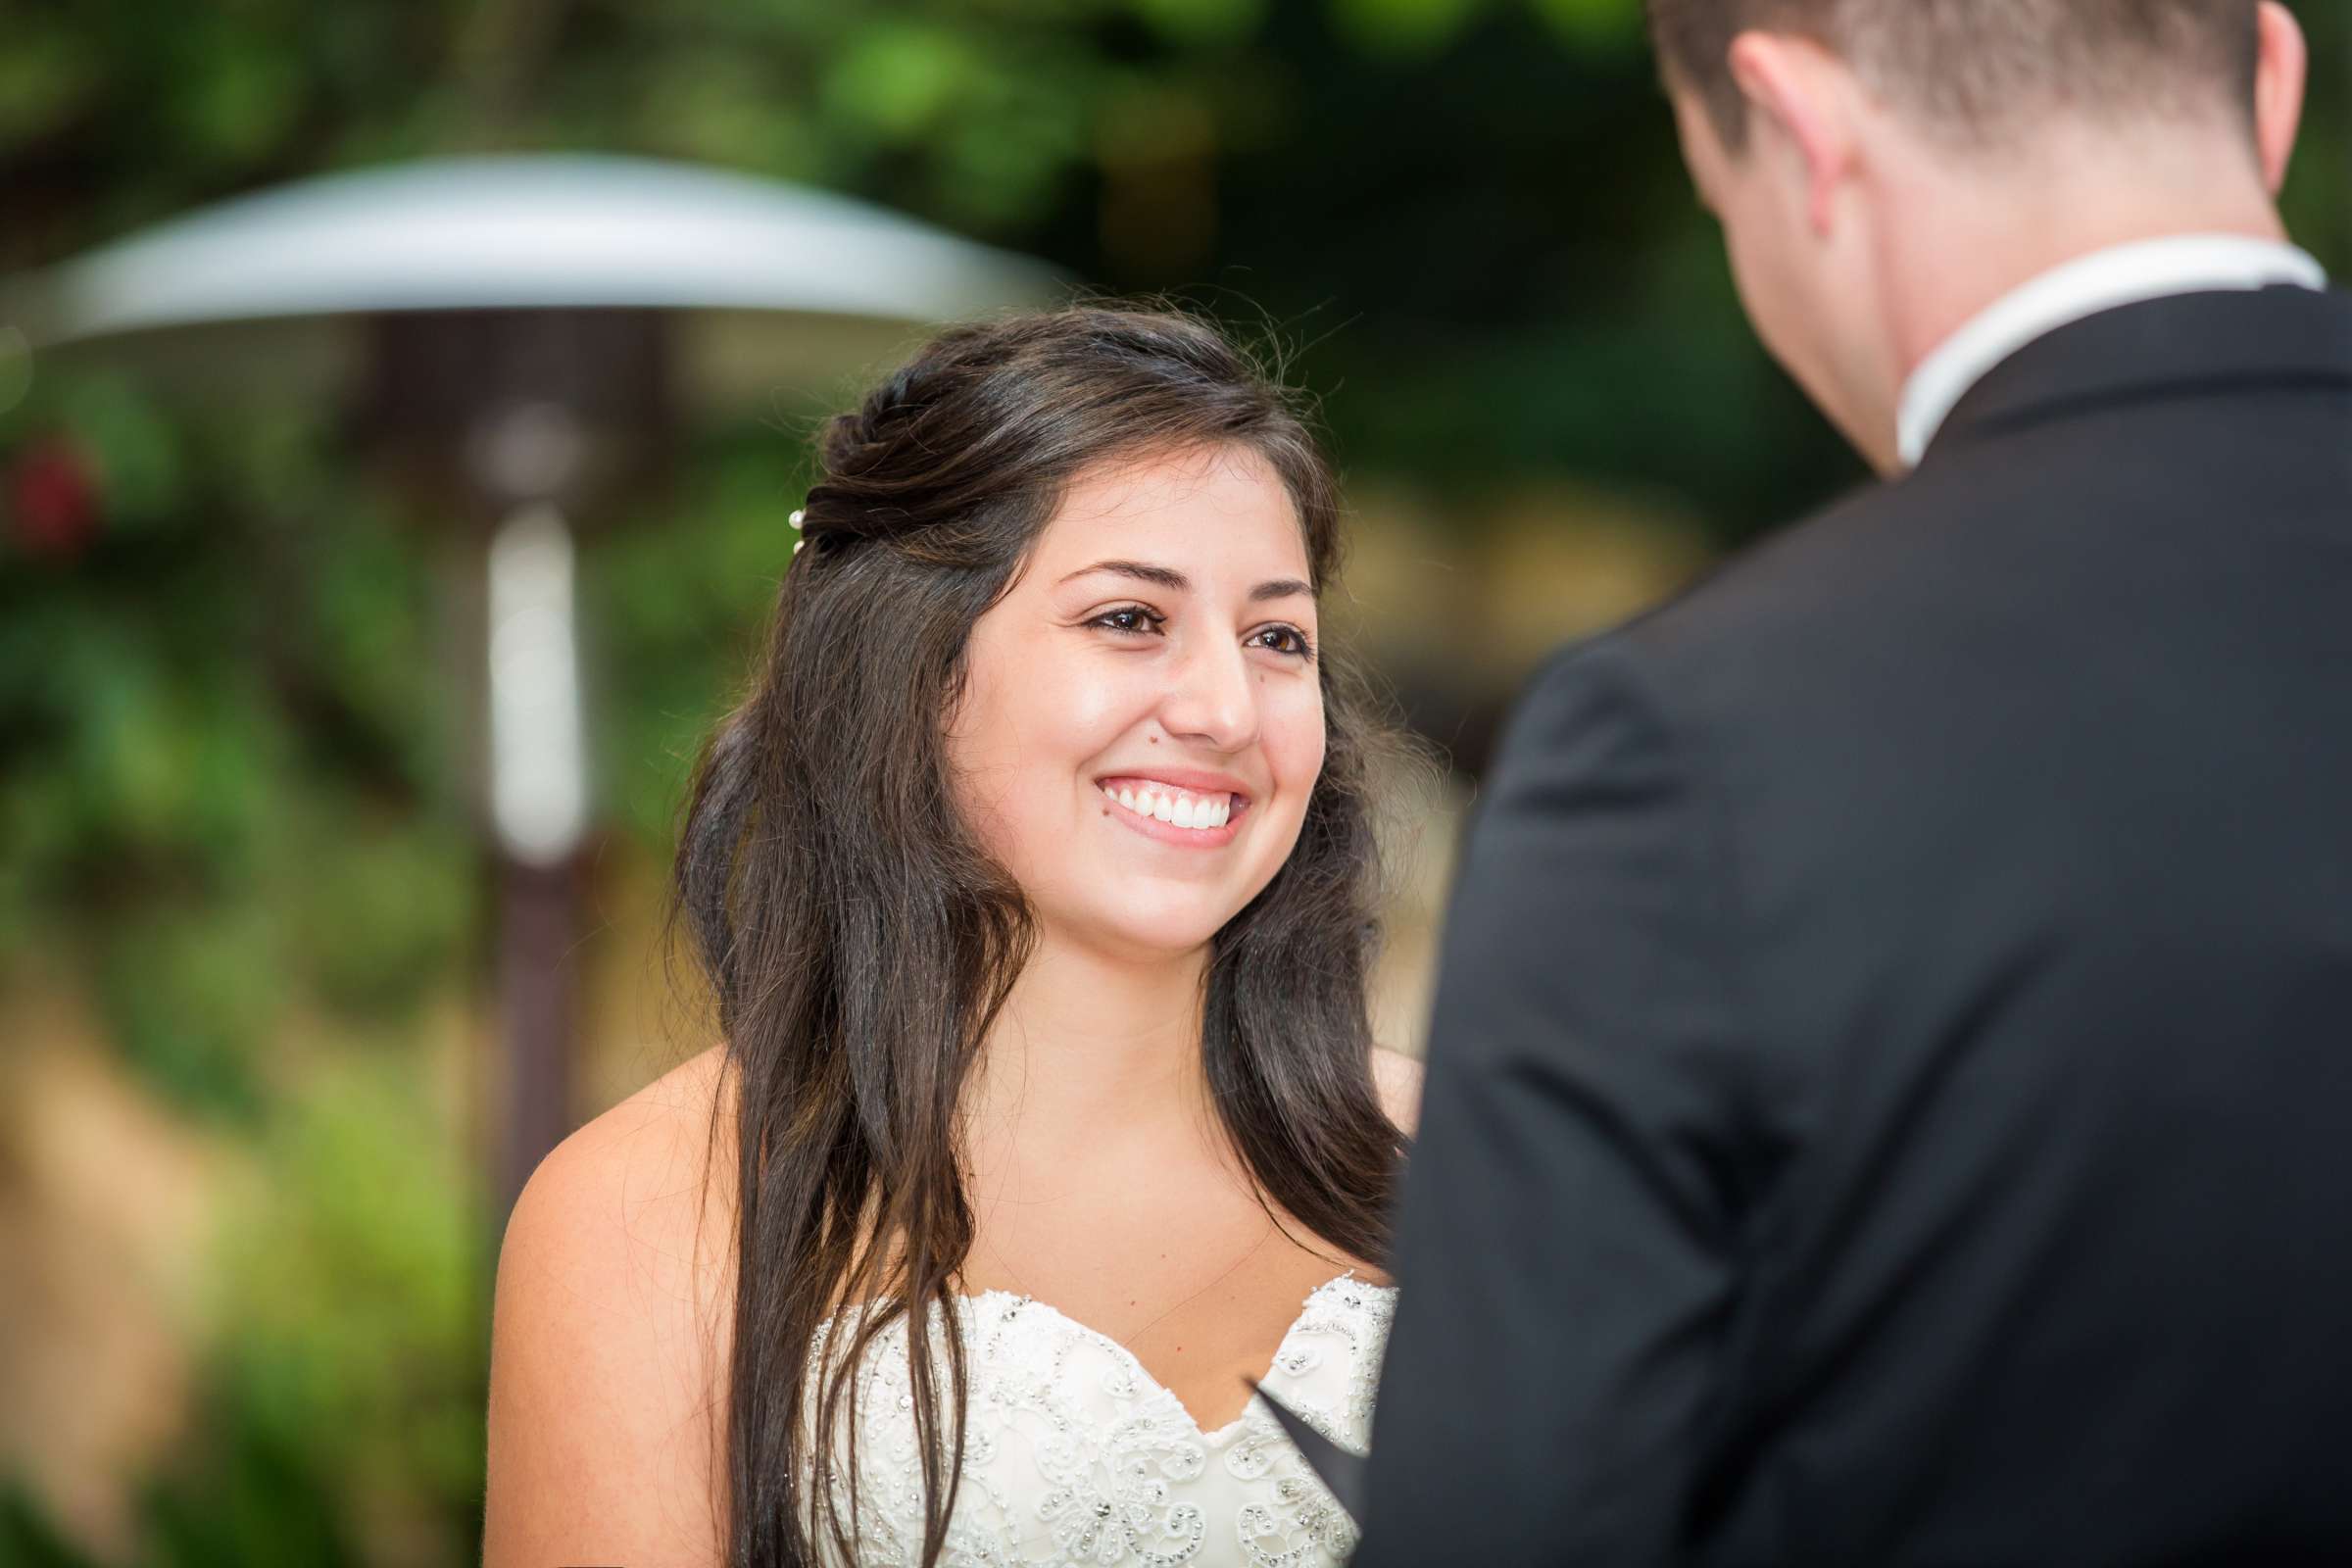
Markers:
(1169, 577)
(1280, 588)
(1177, 582)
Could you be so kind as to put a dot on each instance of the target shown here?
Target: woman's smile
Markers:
(1187, 813)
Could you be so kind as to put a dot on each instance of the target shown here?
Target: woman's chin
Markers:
(1164, 936)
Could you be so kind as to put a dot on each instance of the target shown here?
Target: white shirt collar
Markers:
(2123, 274)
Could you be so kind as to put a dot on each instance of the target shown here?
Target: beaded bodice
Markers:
(1076, 1456)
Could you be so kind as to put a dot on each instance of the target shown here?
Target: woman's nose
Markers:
(1213, 700)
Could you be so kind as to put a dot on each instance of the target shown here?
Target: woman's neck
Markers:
(1090, 1043)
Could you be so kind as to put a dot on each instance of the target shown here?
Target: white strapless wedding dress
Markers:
(1075, 1456)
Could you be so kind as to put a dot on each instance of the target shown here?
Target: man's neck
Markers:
(1970, 240)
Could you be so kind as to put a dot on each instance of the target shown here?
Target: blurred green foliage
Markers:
(677, 602)
(971, 112)
(230, 791)
(339, 1419)
(354, 1285)
(225, 778)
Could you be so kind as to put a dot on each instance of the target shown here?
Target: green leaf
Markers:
(46, 73)
(191, 992)
(386, 907)
(1403, 28)
(237, 92)
(142, 479)
(726, 106)
(1195, 23)
(355, 1288)
(1587, 23)
(897, 79)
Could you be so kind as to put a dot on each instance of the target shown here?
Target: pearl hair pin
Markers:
(795, 521)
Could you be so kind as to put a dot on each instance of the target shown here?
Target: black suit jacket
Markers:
(1891, 1092)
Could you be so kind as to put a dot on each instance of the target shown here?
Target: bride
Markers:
(1033, 879)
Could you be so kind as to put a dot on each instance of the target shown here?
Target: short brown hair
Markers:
(1978, 70)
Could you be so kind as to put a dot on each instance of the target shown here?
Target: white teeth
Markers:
(1198, 813)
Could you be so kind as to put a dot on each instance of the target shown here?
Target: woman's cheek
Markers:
(1083, 708)
(1297, 741)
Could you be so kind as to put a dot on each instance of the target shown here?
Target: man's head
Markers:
(1884, 168)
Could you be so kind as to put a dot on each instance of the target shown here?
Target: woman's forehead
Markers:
(1215, 512)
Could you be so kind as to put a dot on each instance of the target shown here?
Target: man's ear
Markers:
(2280, 70)
(1801, 92)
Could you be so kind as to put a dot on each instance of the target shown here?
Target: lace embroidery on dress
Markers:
(1075, 1455)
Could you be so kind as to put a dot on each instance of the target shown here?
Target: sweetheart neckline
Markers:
(1212, 1439)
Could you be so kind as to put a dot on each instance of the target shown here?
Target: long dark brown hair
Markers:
(860, 943)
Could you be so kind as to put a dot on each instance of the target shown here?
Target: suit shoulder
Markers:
(1869, 573)
(1794, 569)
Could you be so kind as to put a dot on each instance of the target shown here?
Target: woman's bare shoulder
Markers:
(653, 1178)
(678, 1105)
(608, 1337)
(652, 1154)
(1398, 1077)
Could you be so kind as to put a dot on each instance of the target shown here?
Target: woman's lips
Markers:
(1157, 808)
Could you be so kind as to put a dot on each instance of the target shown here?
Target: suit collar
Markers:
(2180, 343)
(2098, 280)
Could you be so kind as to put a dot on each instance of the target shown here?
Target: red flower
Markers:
(53, 499)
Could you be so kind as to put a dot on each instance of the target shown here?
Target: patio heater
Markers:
(522, 336)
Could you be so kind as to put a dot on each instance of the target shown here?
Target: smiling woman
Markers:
(1035, 882)
(1150, 679)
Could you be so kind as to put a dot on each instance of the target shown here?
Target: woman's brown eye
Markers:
(1288, 640)
(1135, 620)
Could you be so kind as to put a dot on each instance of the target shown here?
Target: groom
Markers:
(1891, 1094)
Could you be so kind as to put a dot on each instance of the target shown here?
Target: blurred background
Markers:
(375, 550)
